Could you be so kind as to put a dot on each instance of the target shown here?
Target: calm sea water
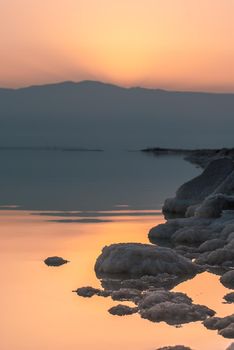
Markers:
(54, 180)
(111, 197)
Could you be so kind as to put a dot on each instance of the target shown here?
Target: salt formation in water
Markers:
(229, 297)
(55, 261)
(135, 259)
(207, 233)
(176, 347)
(88, 292)
(172, 308)
(228, 279)
(126, 294)
(122, 310)
(231, 347)
(224, 325)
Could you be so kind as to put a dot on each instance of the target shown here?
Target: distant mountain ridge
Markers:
(92, 114)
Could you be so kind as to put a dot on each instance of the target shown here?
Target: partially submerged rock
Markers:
(135, 259)
(176, 347)
(224, 325)
(88, 292)
(162, 280)
(124, 294)
(228, 279)
(172, 308)
(229, 297)
(55, 261)
(122, 310)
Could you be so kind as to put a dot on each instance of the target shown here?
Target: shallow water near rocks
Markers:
(72, 205)
(41, 312)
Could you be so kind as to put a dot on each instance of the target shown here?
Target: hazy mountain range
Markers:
(97, 115)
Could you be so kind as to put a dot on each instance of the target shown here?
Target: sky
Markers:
(170, 44)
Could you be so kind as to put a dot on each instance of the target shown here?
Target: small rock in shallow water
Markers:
(228, 332)
(224, 325)
(55, 261)
(229, 298)
(126, 294)
(135, 259)
(171, 307)
(176, 347)
(88, 292)
(176, 313)
(122, 310)
(228, 279)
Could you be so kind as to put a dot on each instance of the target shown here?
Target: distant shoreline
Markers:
(48, 148)
(200, 157)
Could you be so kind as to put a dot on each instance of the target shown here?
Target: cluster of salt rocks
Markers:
(224, 325)
(138, 269)
(200, 239)
(206, 232)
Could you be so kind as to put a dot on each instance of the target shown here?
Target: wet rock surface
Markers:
(229, 298)
(88, 292)
(122, 310)
(135, 259)
(55, 261)
(225, 325)
(176, 347)
(172, 308)
(228, 278)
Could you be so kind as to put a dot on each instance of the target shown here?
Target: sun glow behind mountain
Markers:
(173, 44)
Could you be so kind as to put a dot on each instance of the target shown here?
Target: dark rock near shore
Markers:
(172, 308)
(200, 157)
(228, 278)
(122, 310)
(135, 259)
(229, 298)
(224, 325)
(88, 292)
(55, 261)
(176, 347)
(196, 190)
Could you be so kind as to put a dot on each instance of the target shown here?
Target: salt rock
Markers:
(218, 322)
(229, 297)
(55, 261)
(197, 189)
(137, 259)
(88, 292)
(176, 347)
(228, 279)
(122, 310)
(176, 313)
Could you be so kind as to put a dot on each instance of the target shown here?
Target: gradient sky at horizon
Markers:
(172, 44)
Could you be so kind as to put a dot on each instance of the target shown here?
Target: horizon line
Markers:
(117, 86)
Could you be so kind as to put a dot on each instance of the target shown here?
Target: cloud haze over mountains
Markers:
(92, 114)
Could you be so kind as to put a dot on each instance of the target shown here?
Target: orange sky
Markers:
(174, 44)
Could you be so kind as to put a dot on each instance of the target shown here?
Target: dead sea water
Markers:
(71, 204)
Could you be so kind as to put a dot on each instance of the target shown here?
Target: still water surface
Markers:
(39, 310)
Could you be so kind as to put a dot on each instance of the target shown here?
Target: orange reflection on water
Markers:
(41, 312)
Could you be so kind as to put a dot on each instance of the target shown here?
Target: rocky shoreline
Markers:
(200, 238)
(199, 157)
